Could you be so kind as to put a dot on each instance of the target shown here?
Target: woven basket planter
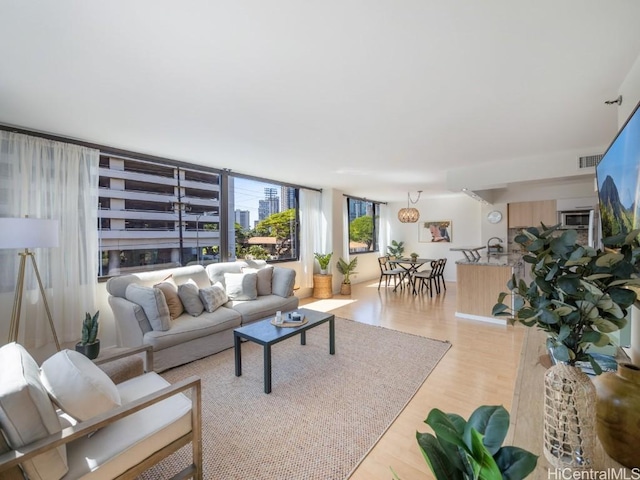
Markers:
(569, 418)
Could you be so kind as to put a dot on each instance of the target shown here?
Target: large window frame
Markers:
(363, 225)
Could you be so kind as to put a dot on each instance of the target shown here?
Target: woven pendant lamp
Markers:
(409, 214)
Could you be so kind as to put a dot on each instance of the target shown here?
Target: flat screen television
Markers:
(618, 180)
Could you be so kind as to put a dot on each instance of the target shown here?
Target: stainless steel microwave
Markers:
(578, 219)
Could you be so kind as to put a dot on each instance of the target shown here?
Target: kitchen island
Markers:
(480, 281)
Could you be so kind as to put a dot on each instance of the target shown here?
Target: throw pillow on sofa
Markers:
(213, 297)
(78, 386)
(153, 303)
(264, 278)
(190, 296)
(170, 292)
(241, 286)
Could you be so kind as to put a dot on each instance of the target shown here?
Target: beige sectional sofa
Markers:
(147, 306)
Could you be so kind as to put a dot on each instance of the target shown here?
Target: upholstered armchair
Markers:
(67, 420)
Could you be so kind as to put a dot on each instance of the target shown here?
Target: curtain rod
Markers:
(363, 199)
(131, 155)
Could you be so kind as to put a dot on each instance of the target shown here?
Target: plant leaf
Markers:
(491, 421)
(515, 463)
(437, 458)
(444, 428)
(488, 469)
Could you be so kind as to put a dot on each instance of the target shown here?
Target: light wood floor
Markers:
(479, 369)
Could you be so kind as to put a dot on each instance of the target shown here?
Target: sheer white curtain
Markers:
(312, 238)
(385, 230)
(41, 178)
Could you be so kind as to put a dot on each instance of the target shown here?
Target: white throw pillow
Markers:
(26, 412)
(213, 297)
(153, 303)
(190, 296)
(265, 276)
(78, 385)
(241, 286)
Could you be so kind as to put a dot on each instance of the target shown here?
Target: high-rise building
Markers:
(270, 204)
(243, 218)
(288, 196)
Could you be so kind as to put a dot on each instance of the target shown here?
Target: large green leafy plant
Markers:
(347, 268)
(396, 249)
(472, 450)
(578, 294)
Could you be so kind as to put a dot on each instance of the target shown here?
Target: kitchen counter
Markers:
(495, 259)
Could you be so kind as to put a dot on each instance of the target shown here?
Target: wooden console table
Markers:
(526, 427)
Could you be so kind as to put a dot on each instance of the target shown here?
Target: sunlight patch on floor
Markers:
(327, 305)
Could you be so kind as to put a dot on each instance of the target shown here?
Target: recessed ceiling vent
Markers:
(589, 161)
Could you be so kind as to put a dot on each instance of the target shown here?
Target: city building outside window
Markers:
(364, 225)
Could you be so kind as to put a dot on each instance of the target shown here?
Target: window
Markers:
(364, 224)
(266, 219)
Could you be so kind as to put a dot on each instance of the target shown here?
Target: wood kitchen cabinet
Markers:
(531, 214)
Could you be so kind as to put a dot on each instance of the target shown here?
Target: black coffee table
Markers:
(264, 333)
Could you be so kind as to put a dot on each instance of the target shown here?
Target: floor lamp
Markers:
(28, 233)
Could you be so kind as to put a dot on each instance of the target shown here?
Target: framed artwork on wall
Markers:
(435, 231)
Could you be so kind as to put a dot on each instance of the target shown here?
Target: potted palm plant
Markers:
(89, 345)
(347, 269)
(578, 296)
(396, 249)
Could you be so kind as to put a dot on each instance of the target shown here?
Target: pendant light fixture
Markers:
(410, 214)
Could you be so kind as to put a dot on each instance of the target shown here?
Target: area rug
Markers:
(324, 414)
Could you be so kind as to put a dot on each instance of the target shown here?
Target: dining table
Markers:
(410, 266)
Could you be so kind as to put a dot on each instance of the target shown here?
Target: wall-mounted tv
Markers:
(618, 180)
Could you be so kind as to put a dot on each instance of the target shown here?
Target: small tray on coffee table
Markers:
(289, 324)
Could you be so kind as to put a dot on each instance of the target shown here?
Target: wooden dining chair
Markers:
(387, 272)
(440, 274)
(428, 278)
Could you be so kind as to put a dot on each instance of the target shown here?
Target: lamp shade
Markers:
(408, 215)
(28, 233)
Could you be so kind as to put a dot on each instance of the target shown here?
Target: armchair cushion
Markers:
(78, 385)
(153, 303)
(26, 412)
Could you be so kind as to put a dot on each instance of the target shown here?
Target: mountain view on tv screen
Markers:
(618, 181)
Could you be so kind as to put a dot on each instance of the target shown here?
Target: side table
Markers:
(322, 286)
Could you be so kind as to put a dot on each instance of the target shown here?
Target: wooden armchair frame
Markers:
(192, 384)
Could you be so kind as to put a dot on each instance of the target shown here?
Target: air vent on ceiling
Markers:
(589, 161)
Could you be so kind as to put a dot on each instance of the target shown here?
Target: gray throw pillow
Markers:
(189, 295)
(241, 286)
(264, 278)
(213, 297)
(153, 303)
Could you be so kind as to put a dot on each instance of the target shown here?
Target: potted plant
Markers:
(577, 297)
(90, 344)
(347, 269)
(414, 256)
(462, 450)
(323, 260)
(396, 249)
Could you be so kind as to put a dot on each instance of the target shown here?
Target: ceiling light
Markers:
(410, 214)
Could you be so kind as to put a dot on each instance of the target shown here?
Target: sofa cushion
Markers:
(26, 412)
(283, 281)
(189, 293)
(78, 386)
(216, 271)
(170, 292)
(153, 303)
(213, 297)
(265, 276)
(241, 286)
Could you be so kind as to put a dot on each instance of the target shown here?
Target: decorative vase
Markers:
(89, 350)
(324, 271)
(569, 423)
(345, 289)
(618, 413)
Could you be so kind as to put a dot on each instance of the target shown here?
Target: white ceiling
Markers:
(375, 98)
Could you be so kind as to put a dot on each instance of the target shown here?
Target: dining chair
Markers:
(440, 274)
(387, 272)
(428, 278)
